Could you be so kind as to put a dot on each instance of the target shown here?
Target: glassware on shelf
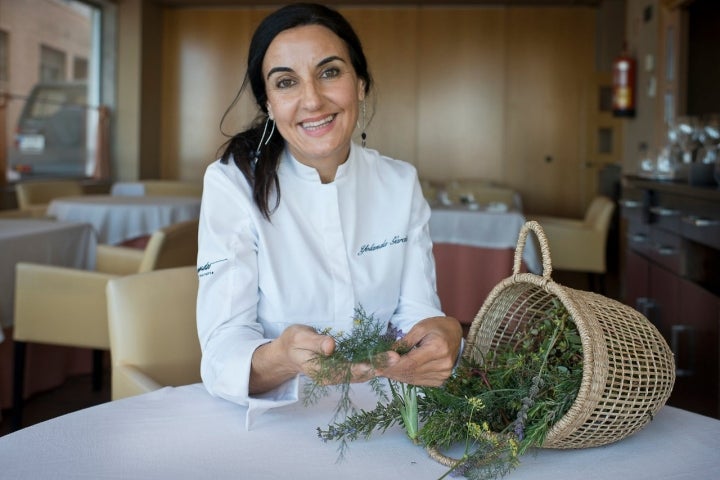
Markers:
(660, 164)
(666, 165)
(710, 154)
(688, 133)
(691, 152)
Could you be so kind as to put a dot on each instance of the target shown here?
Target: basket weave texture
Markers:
(628, 368)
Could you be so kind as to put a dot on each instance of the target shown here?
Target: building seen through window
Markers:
(50, 72)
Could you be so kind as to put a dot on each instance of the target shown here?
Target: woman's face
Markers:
(313, 95)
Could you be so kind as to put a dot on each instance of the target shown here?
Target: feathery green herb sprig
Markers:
(368, 342)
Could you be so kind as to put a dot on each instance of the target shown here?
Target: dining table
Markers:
(119, 218)
(49, 242)
(474, 250)
(186, 433)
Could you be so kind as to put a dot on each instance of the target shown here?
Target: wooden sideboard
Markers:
(671, 274)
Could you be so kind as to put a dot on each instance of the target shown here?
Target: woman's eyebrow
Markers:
(322, 62)
(330, 59)
(278, 69)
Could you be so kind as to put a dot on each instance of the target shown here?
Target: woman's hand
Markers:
(294, 352)
(435, 346)
(288, 355)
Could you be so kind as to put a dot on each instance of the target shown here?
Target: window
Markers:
(54, 125)
(80, 68)
(52, 64)
(61, 78)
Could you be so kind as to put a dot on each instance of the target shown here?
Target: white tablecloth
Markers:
(184, 433)
(40, 241)
(483, 228)
(120, 218)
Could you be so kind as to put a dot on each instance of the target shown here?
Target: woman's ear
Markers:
(269, 110)
(361, 89)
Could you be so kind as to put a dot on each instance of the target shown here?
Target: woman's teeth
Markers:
(319, 123)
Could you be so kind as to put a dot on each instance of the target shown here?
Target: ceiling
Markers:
(253, 3)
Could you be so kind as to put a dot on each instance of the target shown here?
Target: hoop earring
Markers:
(363, 135)
(256, 154)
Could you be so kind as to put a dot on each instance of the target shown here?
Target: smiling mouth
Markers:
(319, 123)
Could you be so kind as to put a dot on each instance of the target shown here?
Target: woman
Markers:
(300, 226)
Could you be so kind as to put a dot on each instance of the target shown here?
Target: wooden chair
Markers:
(66, 306)
(580, 244)
(153, 333)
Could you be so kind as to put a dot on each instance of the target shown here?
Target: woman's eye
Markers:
(285, 83)
(330, 72)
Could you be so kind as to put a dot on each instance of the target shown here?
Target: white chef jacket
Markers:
(359, 241)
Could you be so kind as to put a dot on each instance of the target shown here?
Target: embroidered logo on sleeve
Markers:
(371, 247)
(207, 268)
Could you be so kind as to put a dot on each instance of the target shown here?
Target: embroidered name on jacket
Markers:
(206, 269)
(371, 247)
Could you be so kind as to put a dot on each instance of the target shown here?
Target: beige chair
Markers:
(35, 195)
(172, 187)
(66, 306)
(168, 247)
(153, 334)
(580, 244)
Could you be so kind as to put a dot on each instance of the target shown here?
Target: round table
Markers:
(120, 218)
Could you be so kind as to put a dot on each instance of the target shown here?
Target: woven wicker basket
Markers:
(628, 368)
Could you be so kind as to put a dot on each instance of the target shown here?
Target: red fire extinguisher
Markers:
(623, 98)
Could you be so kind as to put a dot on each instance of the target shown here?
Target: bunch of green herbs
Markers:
(368, 342)
(496, 407)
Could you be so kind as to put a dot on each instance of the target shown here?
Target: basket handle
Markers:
(544, 248)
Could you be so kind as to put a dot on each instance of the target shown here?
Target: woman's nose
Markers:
(312, 97)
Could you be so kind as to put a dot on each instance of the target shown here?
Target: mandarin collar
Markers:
(290, 164)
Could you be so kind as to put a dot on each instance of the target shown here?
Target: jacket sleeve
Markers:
(228, 327)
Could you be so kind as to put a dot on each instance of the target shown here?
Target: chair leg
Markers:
(97, 369)
(18, 384)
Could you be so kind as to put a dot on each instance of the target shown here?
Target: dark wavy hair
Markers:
(241, 148)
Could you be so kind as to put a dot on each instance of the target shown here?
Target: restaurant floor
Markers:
(76, 393)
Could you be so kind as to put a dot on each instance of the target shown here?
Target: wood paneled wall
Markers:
(498, 93)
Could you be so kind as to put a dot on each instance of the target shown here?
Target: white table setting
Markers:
(117, 218)
(492, 226)
(474, 247)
